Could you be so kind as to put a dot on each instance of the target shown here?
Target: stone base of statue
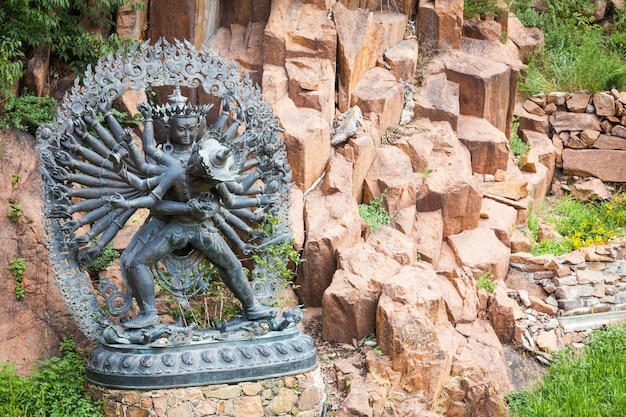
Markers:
(184, 359)
(302, 395)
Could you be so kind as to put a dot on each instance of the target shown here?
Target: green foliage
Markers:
(15, 212)
(27, 111)
(590, 383)
(579, 53)
(17, 267)
(15, 178)
(107, 256)
(517, 145)
(374, 213)
(27, 24)
(472, 8)
(583, 224)
(486, 282)
(56, 388)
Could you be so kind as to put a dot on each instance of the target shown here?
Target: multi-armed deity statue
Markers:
(214, 191)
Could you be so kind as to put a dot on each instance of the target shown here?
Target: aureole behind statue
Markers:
(216, 192)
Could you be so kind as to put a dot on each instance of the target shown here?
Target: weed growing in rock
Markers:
(107, 256)
(374, 213)
(486, 282)
(56, 388)
(590, 382)
(17, 268)
(15, 178)
(15, 212)
(517, 145)
(27, 112)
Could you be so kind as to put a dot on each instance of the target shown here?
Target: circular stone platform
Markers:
(132, 366)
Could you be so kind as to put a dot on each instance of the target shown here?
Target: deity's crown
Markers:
(177, 107)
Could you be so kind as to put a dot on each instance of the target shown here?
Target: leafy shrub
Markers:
(590, 383)
(27, 112)
(56, 388)
(15, 212)
(578, 53)
(107, 256)
(374, 213)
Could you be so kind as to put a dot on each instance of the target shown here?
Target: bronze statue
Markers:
(214, 192)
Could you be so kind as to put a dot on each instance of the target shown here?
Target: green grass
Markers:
(486, 282)
(517, 145)
(55, 389)
(579, 53)
(591, 383)
(581, 224)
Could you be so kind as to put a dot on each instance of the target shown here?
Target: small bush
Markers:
(56, 388)
(374, 213)
(17, 268)
(517, 145)
(107, 256)
(27, 112)
(15, 212)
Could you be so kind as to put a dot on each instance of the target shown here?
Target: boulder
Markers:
(338, 176)
(484, 87)
(534, 123)
(609, 142)
(349, 303)
(441, 22)
(332, 222)
(244, 44)
(391, 173)
(360, 150)
(499, 217)
(452, 189)
(308, 144)
(561, 121)
(244, 11)
(412, 328)
(590, 189)
(459, 291)
(356, 49)
(418, 144)
(608, 165)
(312, 84)
(503, 313)
(379, 96)
(402, 59)
(274, 83)
(491, 255)
(546, 151)
(428, 232)
(604, 104)
(484, 30)
(297, 29)
(578, 102)
(394, 244)
(487, 145)
(527, 40)
(438, 100)
(507, 54)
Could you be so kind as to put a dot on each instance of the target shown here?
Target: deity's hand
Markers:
(145, 109)
(118, 201)
(80, 128)
(70, 225)
(64, 158)
(266, 164)
(128, 135)
(81, 240)
(248, 249)
(90, 117)
(60, 211)
(88, 256)
(69, 142)
(201, 209)
(104, 105)
(266, 199)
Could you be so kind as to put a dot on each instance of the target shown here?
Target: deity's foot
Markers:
(260, 311)
(143, 319)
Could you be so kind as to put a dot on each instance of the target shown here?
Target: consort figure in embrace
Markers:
(194, 177)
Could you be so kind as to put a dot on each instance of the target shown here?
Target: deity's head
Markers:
(184, 122)
(213, 160)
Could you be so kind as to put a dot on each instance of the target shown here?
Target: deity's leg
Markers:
(231, 272)
(136, 269)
